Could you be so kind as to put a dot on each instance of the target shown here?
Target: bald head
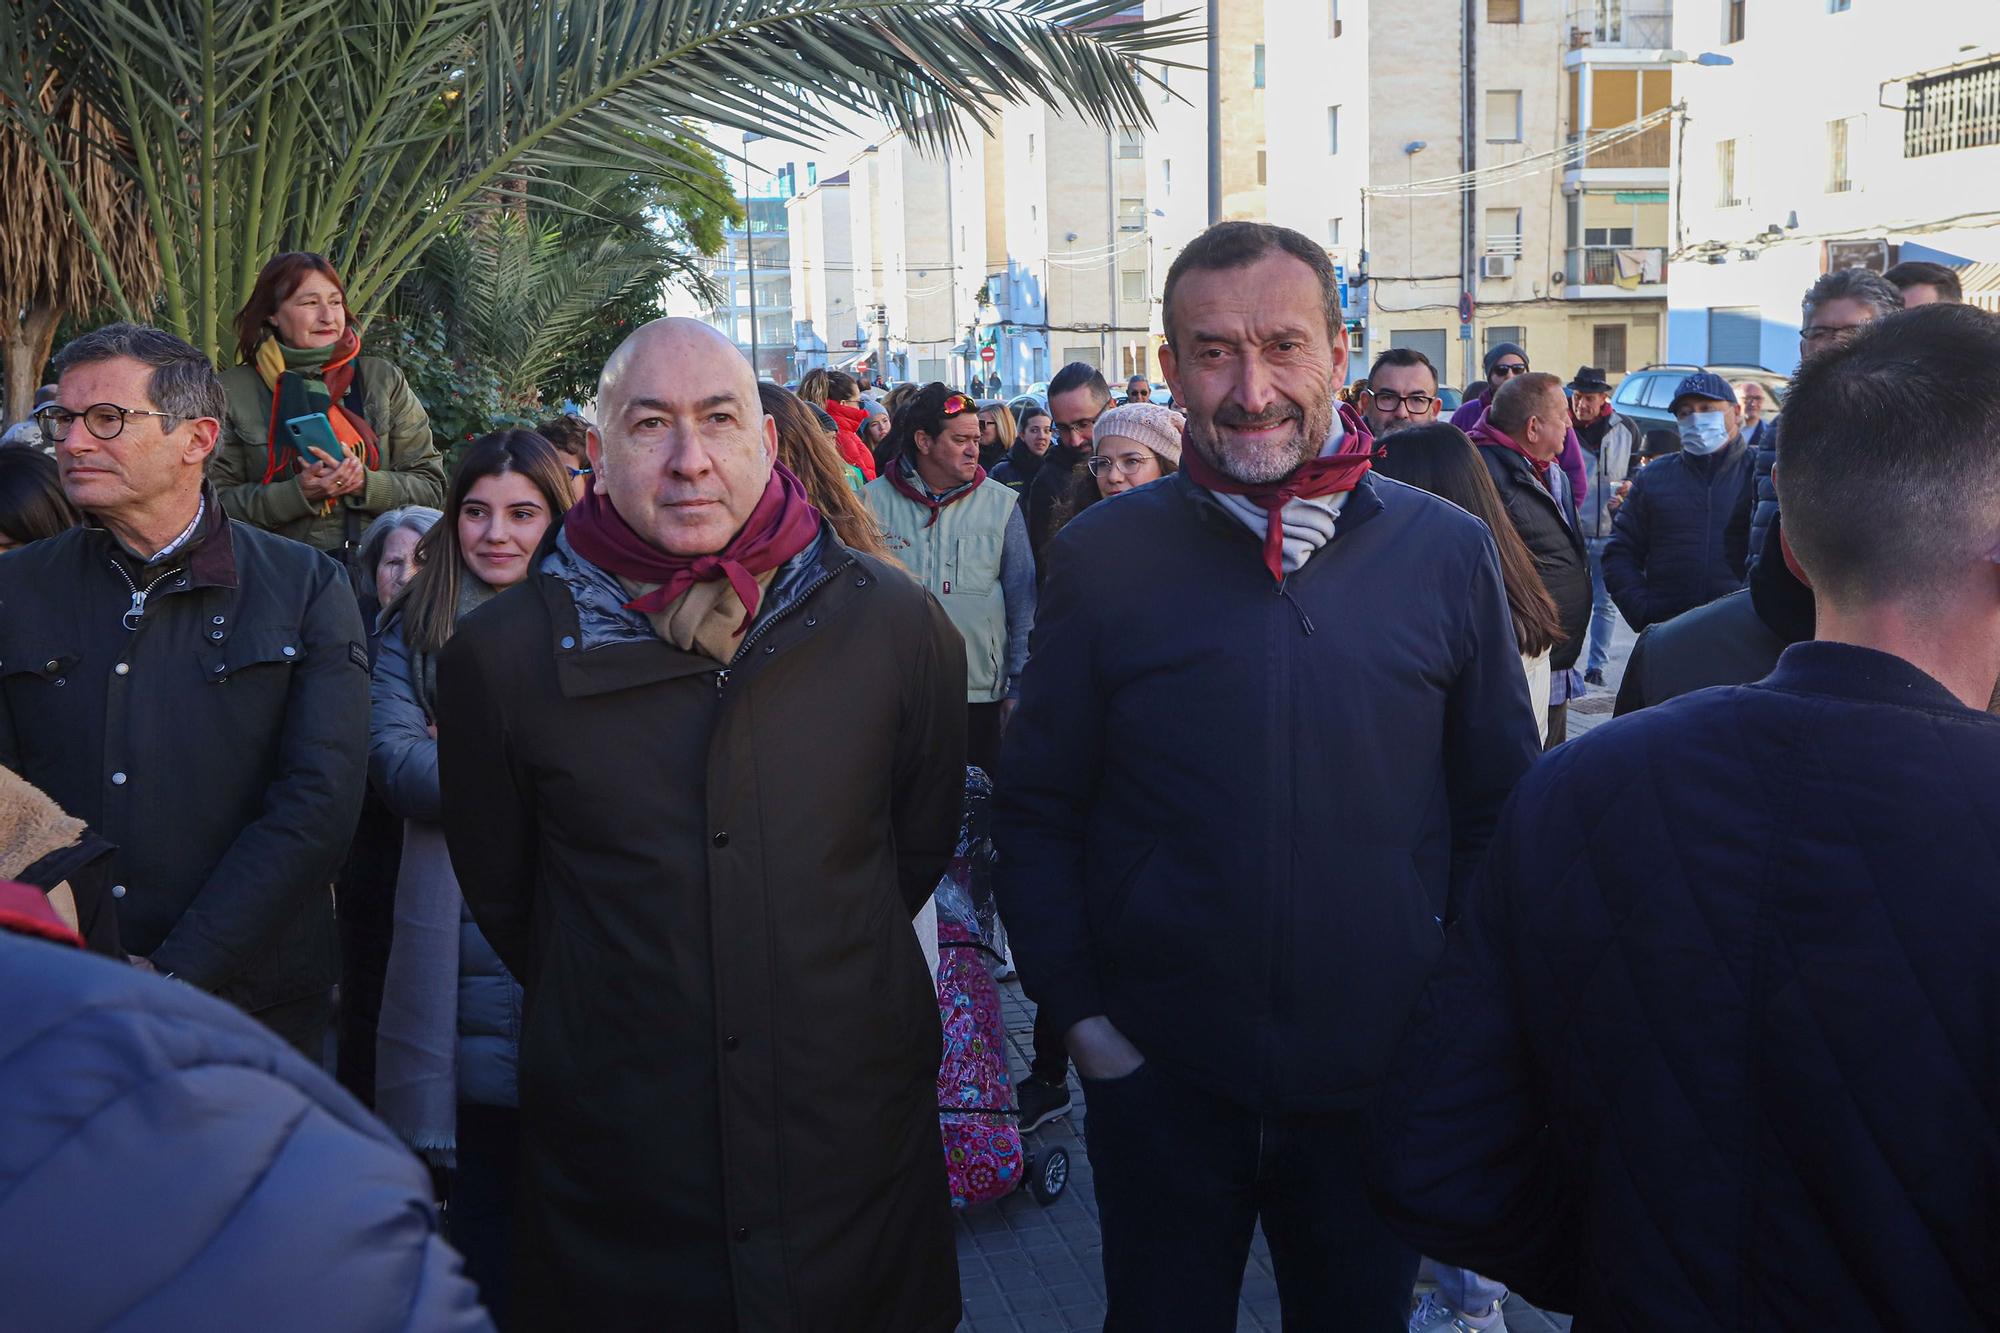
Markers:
(694, 348)
(683, 449)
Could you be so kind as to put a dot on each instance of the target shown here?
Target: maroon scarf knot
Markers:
(1333, 474)
(783, 524)
(902, 469)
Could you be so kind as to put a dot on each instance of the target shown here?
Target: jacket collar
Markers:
(601, 647)
(1706, 466)
(903, 477)
(1863, 675)
(209, 555)
(1362, 503)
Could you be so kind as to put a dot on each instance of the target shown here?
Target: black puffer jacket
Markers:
(1681, 539)
(1764, 514)
(1546, 521)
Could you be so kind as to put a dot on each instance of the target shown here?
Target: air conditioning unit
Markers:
(1496, 266)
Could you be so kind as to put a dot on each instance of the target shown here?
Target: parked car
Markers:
(1449, 401)
(1644, 395)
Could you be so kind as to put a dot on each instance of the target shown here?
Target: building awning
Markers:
(1982, 285)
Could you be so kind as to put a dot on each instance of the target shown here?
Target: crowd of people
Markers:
(570, 801)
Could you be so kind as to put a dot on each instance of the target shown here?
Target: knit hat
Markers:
(1498, 350)
(1156, 426)
(1703, 384)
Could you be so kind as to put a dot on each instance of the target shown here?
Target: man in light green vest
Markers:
(963, 538)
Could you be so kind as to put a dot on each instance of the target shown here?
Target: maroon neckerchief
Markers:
(25, 910)
(1485, 434)
(1333, 474)
(902, 469)
(783, 524)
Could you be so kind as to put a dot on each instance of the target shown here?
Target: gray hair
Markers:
(419, 519)
(1852, 284)
(184, 385)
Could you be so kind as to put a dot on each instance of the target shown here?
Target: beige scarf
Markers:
(704, 619)
(31, 827)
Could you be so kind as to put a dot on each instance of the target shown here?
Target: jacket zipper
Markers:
(139, 595)
(722, 676)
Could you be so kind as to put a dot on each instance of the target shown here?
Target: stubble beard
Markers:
(1271, 461)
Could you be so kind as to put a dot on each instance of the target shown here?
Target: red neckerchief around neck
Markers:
(783, 524)
(1331, 474)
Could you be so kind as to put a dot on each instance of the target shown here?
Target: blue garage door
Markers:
(1735, 336)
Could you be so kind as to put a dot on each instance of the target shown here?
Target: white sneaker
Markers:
(1431, 1314)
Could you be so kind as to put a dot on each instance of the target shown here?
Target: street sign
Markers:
(850, 344)
(1465, 307)
(986, 355)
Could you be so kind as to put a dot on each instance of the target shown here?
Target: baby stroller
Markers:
(985, 1158)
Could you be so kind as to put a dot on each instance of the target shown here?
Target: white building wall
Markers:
(822, 260)
(1792, 75)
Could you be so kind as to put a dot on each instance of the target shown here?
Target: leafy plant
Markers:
(367, 130)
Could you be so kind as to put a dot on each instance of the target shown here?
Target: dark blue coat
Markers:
(1231, 815)
(1765, 502)
(168, 1164)
(1681, 538)
(1695, 1061)
(402, 763)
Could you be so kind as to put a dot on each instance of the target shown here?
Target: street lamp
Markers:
(750, 247)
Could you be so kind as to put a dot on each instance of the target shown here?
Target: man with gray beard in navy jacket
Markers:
(1273, 707)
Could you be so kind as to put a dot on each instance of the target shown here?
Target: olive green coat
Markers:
(411, 472)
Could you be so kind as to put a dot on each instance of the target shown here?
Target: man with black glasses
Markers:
(1402, 391)
(193, 688)
(1138, 389)
(1078, 396)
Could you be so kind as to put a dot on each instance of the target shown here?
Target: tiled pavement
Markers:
(1024, 1268)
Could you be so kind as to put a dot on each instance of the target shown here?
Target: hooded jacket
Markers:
(851, 419)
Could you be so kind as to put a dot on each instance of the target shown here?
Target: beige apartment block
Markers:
(1562, 253)
(825, 327)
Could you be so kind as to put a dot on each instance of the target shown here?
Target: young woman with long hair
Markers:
(805, 451)
(447, 1037)
(32, 503)
(1440, 459)
(996, 433)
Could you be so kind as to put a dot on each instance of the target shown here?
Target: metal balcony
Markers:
(1648, 150)
(1648, 25)
(1628, 267)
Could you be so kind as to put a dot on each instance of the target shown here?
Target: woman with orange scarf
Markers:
(302, 357)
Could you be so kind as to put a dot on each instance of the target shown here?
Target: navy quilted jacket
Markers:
(1696, 1062)
(1681, 539)
(167, 1164)
(1765, 505)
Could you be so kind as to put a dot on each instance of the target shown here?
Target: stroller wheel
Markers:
(1050, 1177)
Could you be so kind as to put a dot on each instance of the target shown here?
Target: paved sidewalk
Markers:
(1024, 1268)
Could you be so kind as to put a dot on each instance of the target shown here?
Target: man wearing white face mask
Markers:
(1681, 539)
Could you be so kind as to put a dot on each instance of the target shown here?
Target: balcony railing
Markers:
(1648, 25)
(1617, 266)
(1649, 148)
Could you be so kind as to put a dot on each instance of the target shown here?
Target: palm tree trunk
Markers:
(24, 349)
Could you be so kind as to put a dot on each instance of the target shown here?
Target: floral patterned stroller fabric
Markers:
(982, 1137)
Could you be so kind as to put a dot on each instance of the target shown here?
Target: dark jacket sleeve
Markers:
(296, 844)
(1625, 555)
(1490, 735)
(486, 798)
(1632, 686)
(1764, 496)
(1050, 767)
(1457, 1168)
(928, 794)
(402, 757)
